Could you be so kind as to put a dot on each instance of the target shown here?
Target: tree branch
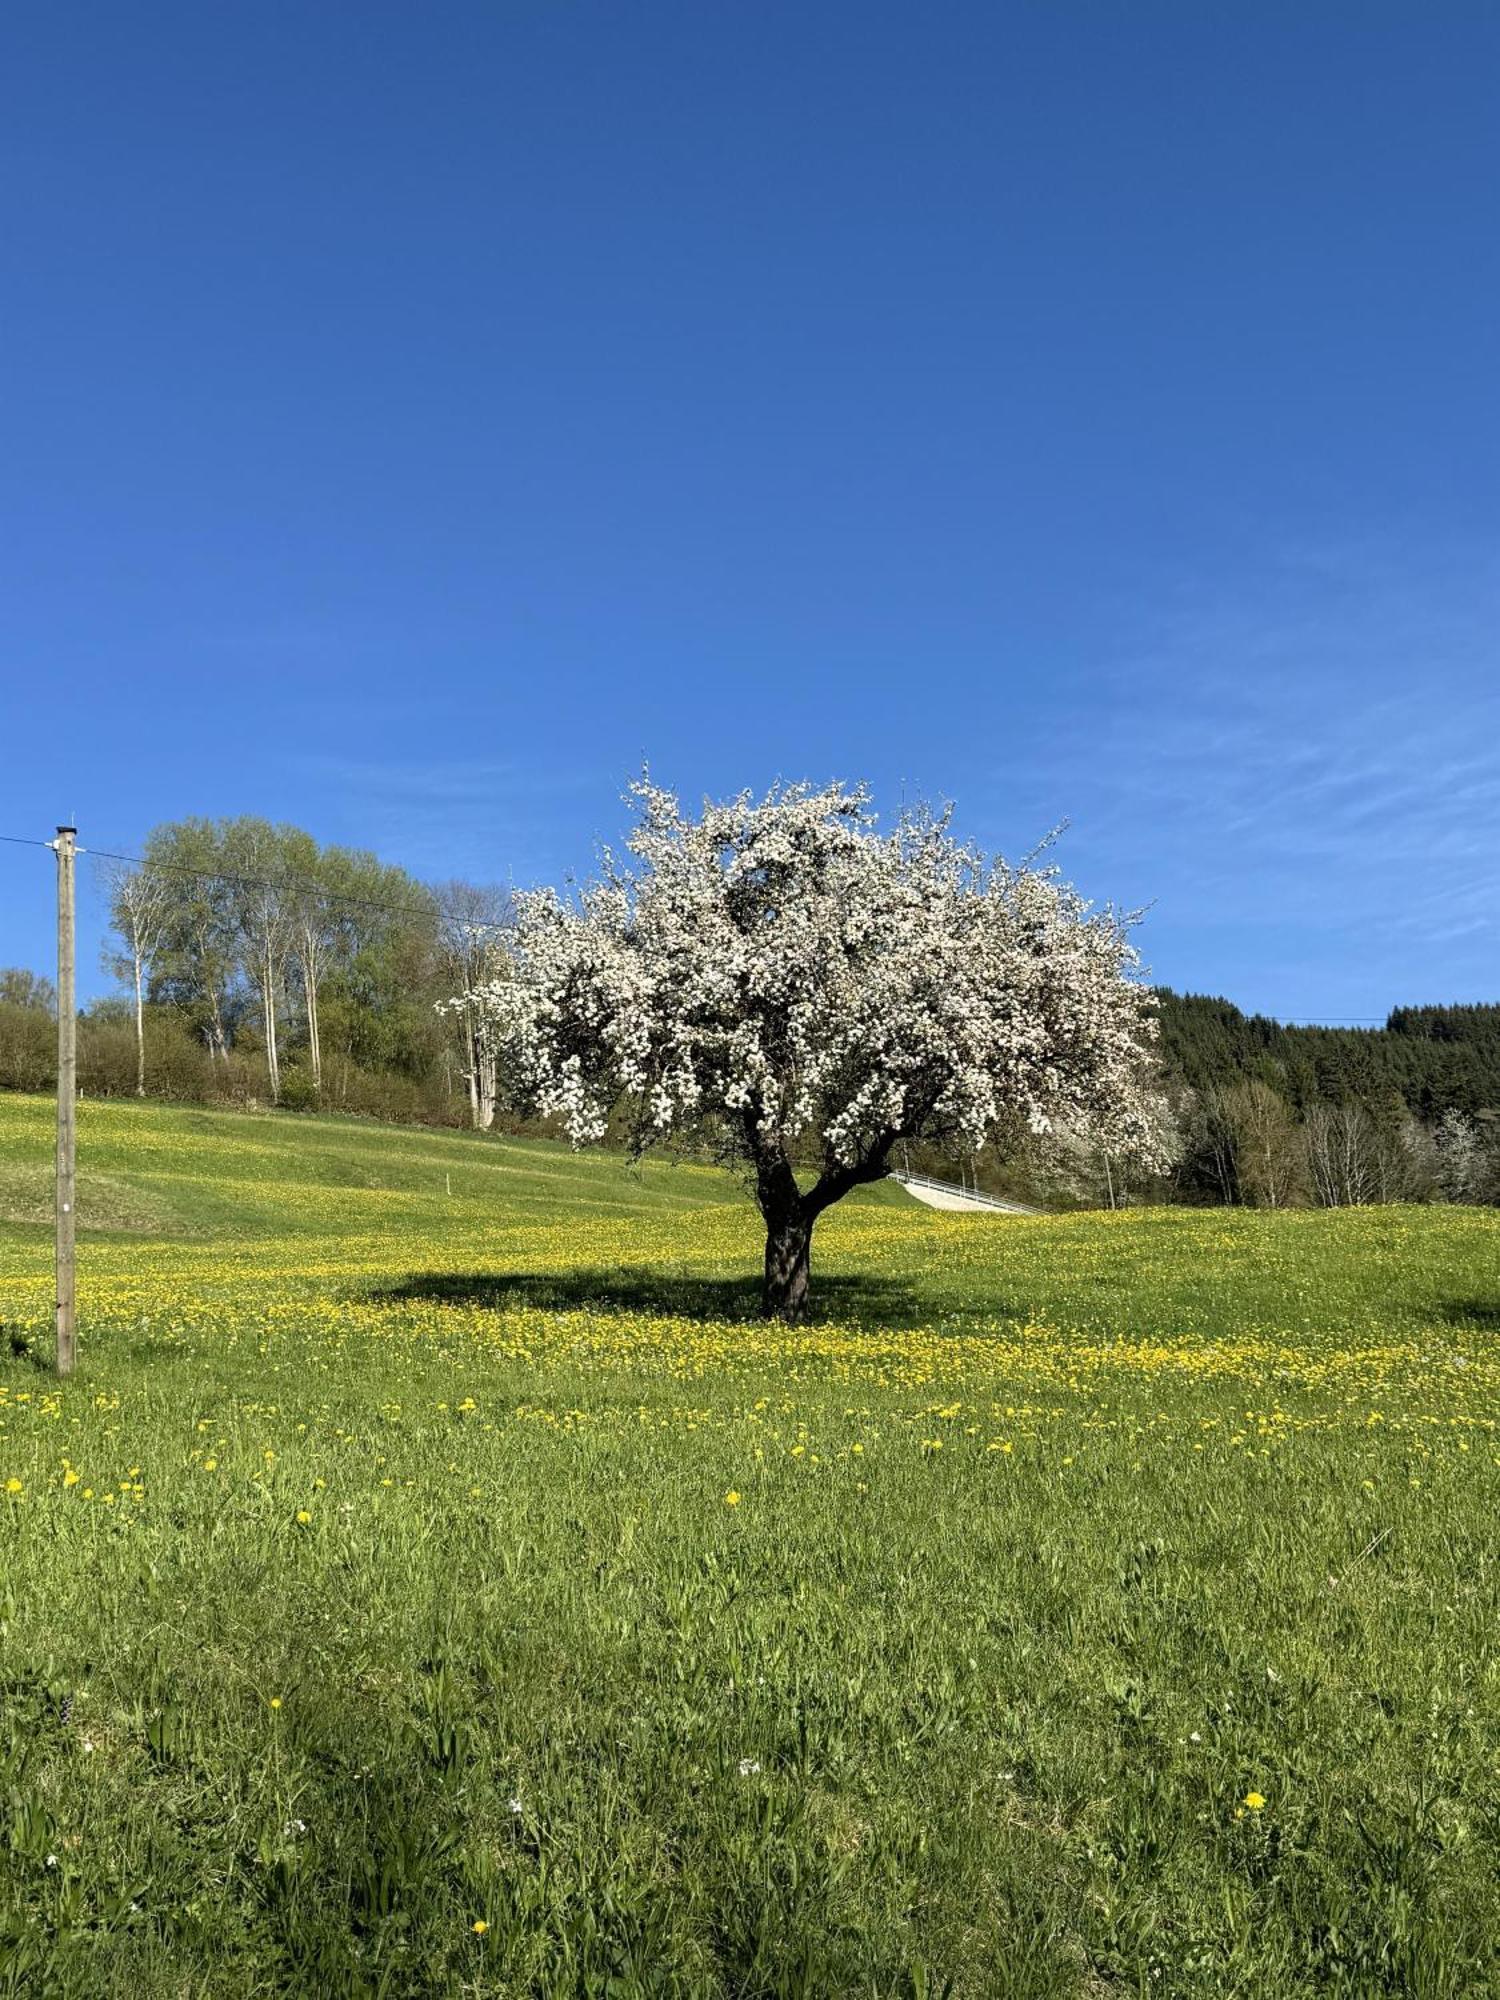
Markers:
(835, 1182)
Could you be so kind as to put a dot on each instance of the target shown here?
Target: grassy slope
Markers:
(1054, 1540)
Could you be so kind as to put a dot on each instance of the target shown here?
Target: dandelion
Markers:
(731, 1498)
(70, 1477)
(14, 1486)
(303, 1517)
(276, 1701)
(479, 1927)
(1254, 1801)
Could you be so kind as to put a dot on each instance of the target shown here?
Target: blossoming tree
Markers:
(811, 991)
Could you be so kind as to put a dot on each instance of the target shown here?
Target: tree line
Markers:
(258, 966)
(1274, 1116)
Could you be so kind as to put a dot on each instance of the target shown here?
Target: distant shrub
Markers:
(28, 1048)
(106, 1058)
(299, 1092)
(239, 1080)
(177, 1064)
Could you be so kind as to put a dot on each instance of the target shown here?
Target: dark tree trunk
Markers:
(788, 1250)
(790, 1214)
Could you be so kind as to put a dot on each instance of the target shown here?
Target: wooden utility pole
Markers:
(65, 847)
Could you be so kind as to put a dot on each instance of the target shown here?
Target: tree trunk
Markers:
(485, 1058)
(268, 1009)
(314, 1041)
(218, 1039)
(140, 1034)
(788, 1260)
(482, 1076)
(471, 1072)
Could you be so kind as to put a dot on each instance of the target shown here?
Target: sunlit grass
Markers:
(437, 1580)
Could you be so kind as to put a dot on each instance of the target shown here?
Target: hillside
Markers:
(184, 1171)
(436, 1578)
(1432, 1059)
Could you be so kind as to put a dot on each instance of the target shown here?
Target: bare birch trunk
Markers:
(482, 1073)
(140, 1034)
(471, 1072)
(268, 1010)
(487, 1087)
(310, 992)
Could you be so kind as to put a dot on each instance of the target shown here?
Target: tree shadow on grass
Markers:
(26, 1347)
(837, 1298)
(1472, 1312)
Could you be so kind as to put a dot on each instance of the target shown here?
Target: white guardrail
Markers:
(962, 1193)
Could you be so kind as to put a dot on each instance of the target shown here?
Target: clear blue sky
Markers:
(414, 416)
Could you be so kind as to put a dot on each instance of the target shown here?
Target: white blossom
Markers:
(809, 988)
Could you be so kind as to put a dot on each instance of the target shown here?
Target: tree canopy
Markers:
(783, 975)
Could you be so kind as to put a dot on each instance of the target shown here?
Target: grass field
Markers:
(434, 1581)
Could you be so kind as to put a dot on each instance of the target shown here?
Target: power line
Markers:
(288, 878)
(479, 924)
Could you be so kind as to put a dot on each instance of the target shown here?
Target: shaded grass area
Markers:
(428, 1592)
(841, 1296)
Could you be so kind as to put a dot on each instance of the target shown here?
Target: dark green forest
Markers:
(1434, 1059)
(258, 968)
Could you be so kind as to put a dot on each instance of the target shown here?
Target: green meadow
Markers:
(435, 1580)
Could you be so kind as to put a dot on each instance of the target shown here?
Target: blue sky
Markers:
(414, 417)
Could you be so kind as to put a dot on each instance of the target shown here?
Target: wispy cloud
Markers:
(1323, 760)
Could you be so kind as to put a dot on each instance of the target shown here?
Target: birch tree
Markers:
(471, 919)
(316, 923)
(256, 870)
(1267, 1144)
(140, 907)
(781, 973)
(196, 963)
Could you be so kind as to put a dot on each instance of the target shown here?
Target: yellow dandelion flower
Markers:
(479, 1927)
(731, 1498)
(303, 1517)
(1254, 1801)
(276, 1701)
(14, 1486)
